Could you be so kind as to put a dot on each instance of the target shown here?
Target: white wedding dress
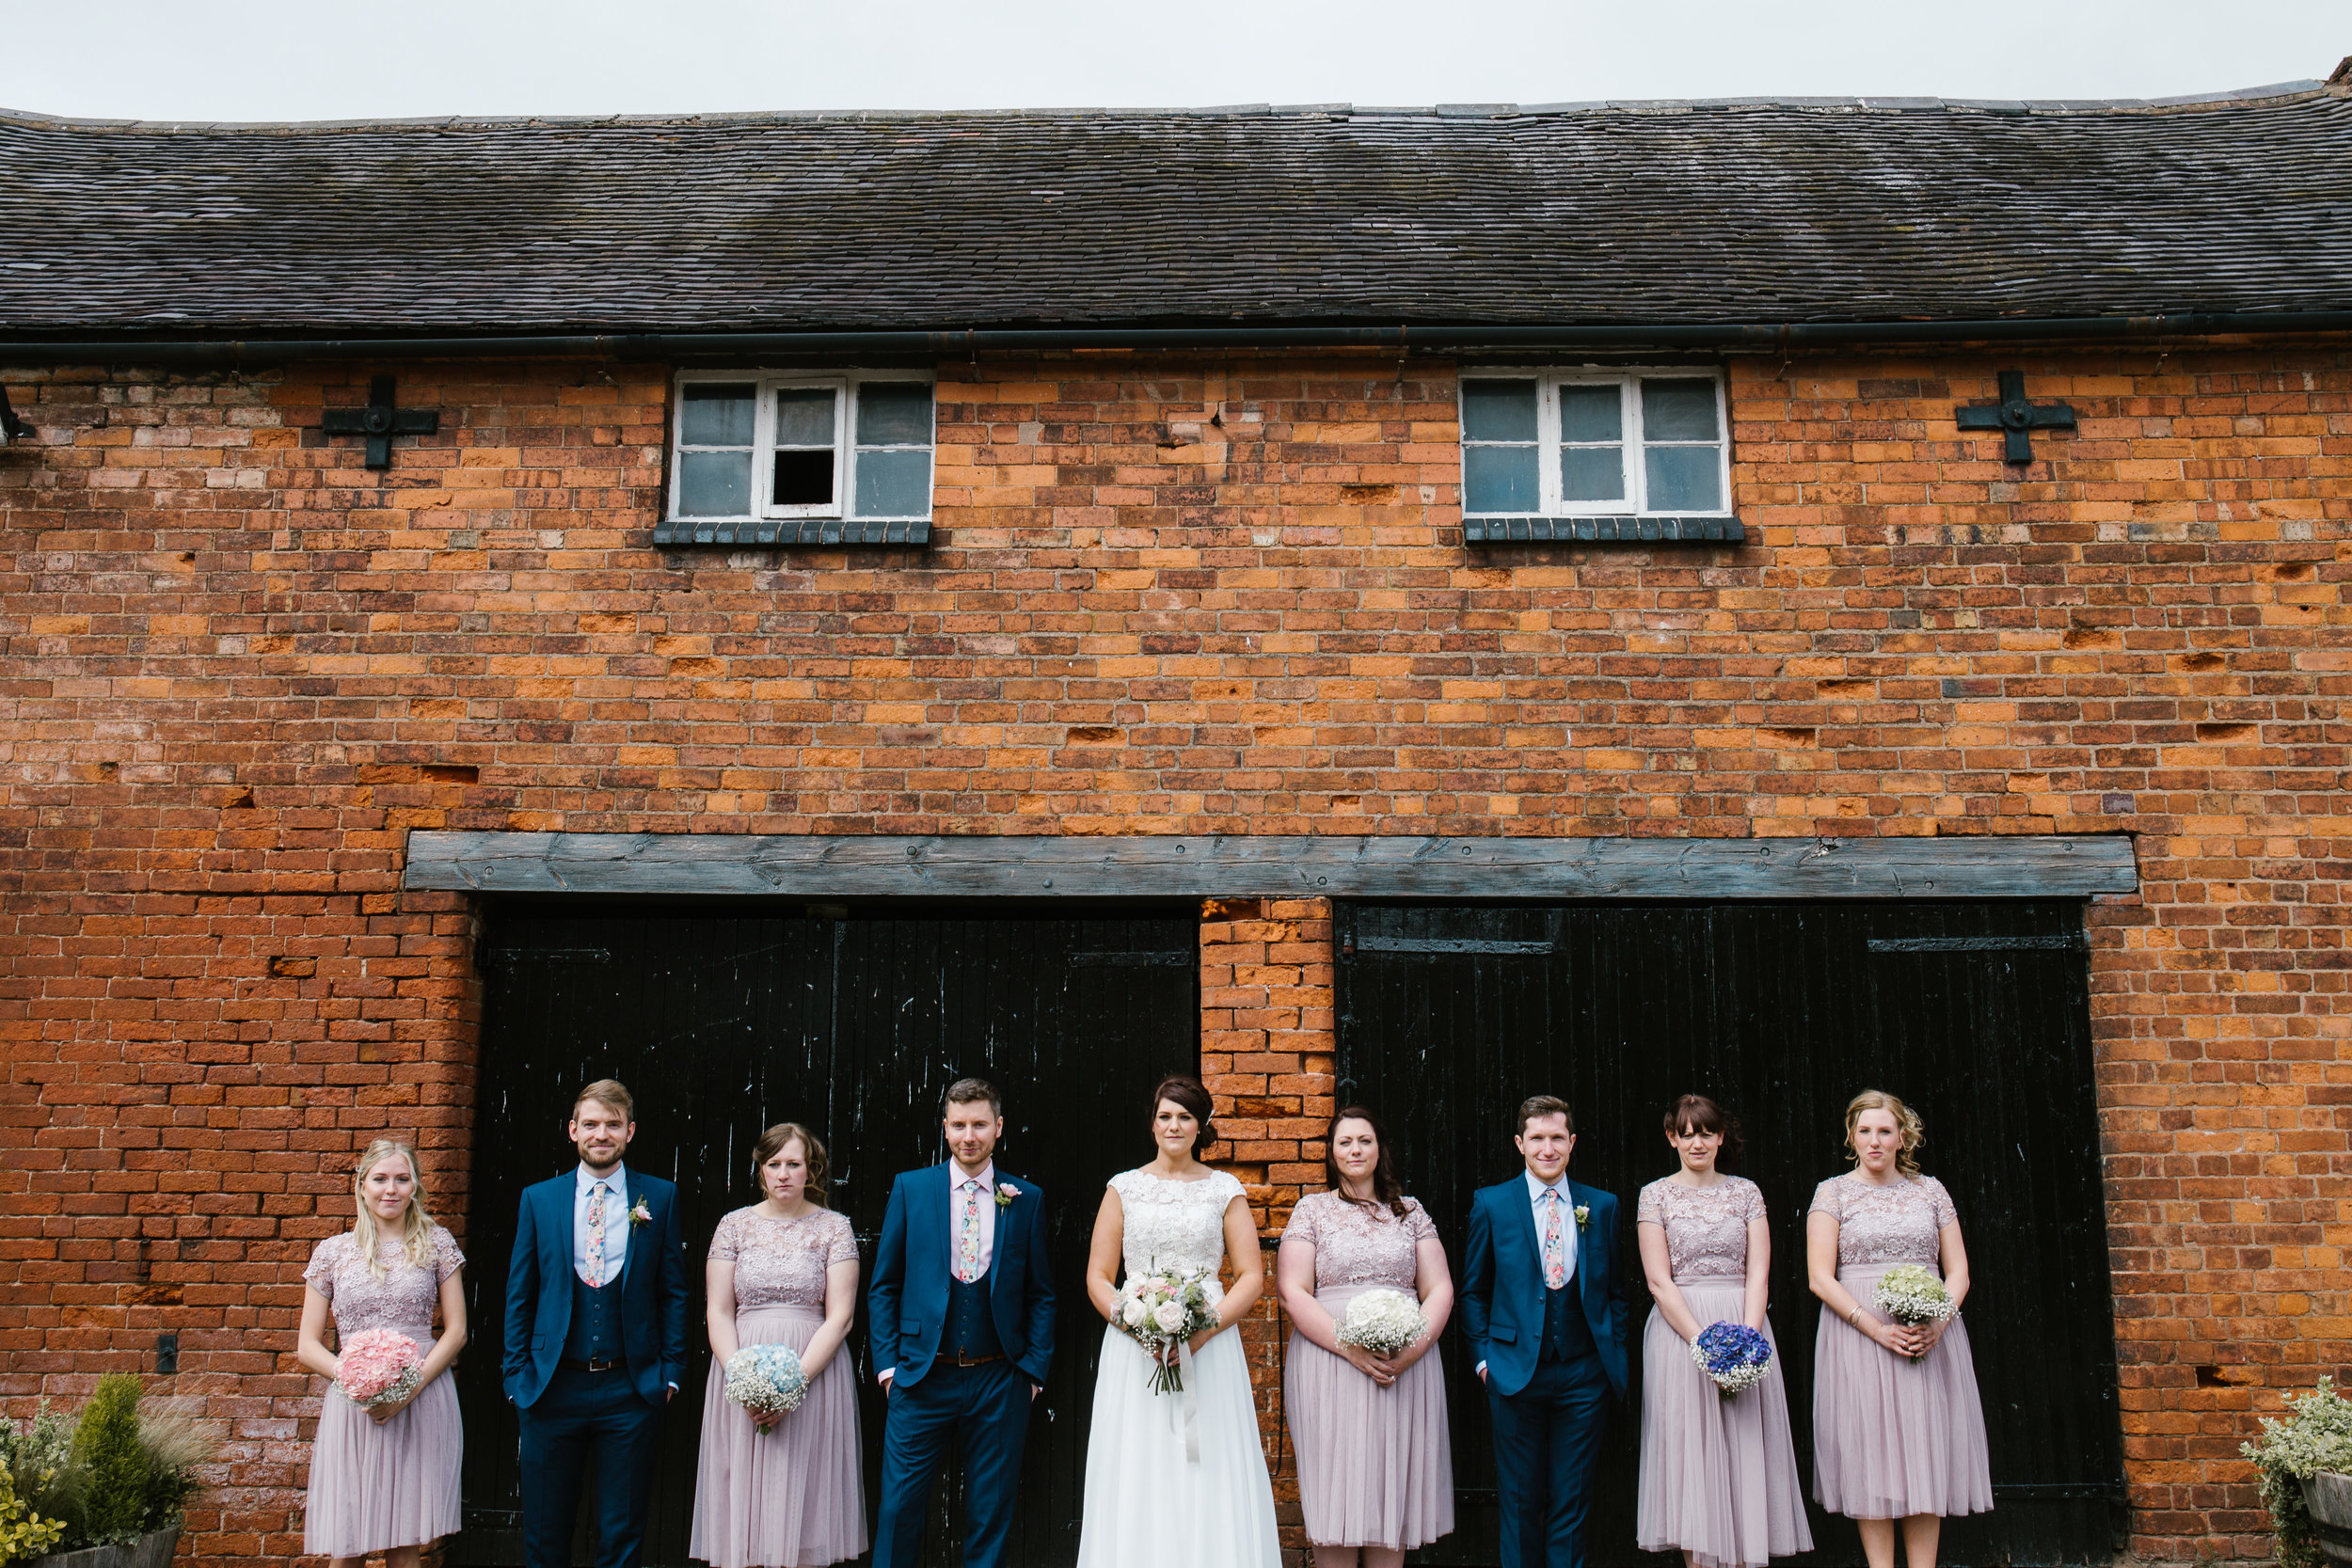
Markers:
(1147, 1504)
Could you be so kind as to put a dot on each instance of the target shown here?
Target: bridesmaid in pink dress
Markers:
(1375, 1463)
(384, 1480)
(1893, 1437)
(782, 1272)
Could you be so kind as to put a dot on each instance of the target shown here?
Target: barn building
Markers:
(1416, 606)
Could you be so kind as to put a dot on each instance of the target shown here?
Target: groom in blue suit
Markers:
(595, 1335)
(1544, 1308)
(962, 1312)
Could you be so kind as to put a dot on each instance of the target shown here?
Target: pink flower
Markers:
(378, 1364)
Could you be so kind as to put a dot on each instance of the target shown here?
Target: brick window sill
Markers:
(791, 530)
(1604, 531)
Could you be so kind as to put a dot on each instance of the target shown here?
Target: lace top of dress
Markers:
(1901, 1222)
(1706, 1228)
(781, 1262)
(402, 1299)
(1173, 1225)
(1356, 1246)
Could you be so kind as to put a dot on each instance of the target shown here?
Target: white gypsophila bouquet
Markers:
(1911, 1293)
(1382, 1322)
(766, 1381)
(1162, 1310)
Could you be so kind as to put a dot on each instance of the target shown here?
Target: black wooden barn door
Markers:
(724, 1024)
(1977, 1013)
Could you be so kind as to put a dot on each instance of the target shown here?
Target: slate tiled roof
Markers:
(1637, 214)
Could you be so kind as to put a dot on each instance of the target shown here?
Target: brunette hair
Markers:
(1386, 1188)
(416, 1222)
(1544, 1106)
(1185, 1090)
(1695, 1112)
(607, 1091)
(1907, 1122)
(812, 1155)
(966, 1091)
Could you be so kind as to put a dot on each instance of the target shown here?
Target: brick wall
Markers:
(1169, 594)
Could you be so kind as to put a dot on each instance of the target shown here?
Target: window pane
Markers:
(894, 483)
(805, 418)
(804, 478)
(1499, 411)
(714, 484)
(894, 414)
(1591, 413)
(1678, 410)
(1498, 479)
(1685, 478)
(1592, 473)
(717, 417)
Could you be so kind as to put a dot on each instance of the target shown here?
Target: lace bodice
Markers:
(402, 1299)
(1173, 1225)
(1706, 1228)
(1901, 1222)
(1355, 1245)
(781, 1262)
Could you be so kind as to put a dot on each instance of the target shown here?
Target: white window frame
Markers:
(766, 383)
(1635, 501)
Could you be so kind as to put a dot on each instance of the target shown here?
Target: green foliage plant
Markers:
(23, 1533)
(107, 1442)
(42, 1469)
(2317, 1437)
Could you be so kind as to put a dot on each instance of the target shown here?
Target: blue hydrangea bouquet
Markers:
(766, 1382)
(1735, 1356)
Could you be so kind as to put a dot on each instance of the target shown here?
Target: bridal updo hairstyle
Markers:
(1386, 1188)
(1695, 1112)
(1907, 1122)
(812, 1155)
(1185, 1090)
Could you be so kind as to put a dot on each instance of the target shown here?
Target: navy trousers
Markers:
(587, 1418)
(1546, 1447)
(988, 1407)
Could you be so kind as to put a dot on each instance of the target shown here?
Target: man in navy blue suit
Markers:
(595, 1335)
(962, 1313)
(1544, 1308)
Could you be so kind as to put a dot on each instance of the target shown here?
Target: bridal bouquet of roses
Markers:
(1382, 1322)
(380, 1365)
(1161, 1310)
(1734, 1357)
(1910, 1294)
(766, 1381)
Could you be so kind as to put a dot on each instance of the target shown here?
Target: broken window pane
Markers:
(717, 417)
(804, 478)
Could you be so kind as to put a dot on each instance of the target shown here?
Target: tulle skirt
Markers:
(1719, 1475)
(374, 1486)
(1148, 1505)
(1892, 1436)
(795, 1497)
(1375, 1466)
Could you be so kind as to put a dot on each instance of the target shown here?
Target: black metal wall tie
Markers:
(379, 421)
(2016, 418)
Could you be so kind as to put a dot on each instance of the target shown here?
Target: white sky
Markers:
(314, 59)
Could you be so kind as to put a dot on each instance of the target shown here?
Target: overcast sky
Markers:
(317, 59)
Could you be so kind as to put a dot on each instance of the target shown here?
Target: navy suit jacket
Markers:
(907, 1302)
(1502, 1284)
(654, 1291)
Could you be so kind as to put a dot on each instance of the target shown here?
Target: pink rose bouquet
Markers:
(380, 1365)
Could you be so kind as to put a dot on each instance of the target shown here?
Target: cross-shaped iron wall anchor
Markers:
(2017, 418)
(379, 421)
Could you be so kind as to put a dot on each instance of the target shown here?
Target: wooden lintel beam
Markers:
(1270, 866)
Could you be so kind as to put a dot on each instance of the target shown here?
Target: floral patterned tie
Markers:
(968, 1236)
(1555, 1265)
(594, 1274)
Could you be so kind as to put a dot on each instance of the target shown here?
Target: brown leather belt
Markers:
(957, 1358)
(599, 1364)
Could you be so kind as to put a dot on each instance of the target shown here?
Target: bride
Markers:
(1149, 1502)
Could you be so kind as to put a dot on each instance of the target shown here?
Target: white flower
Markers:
(1382, 1322)
(1170, 1315)
(1133, 1313)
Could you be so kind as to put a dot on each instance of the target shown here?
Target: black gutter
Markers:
(674, 345)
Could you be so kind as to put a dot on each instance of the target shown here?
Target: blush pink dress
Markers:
(1891, 1437)
(796, 1496)
(1719, 1475)
(378, 1485)
(1375, 1466)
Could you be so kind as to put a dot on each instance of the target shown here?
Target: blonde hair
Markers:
(608, 1092)
(416, 1224)
(1907, 1124)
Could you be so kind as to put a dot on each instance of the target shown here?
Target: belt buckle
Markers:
(604, 1364)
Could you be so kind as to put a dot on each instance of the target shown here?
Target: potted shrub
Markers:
(103, 1488)
(2305, 1463)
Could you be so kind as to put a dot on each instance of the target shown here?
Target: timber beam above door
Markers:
(1268, 866)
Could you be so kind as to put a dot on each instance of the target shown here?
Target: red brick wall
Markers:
(1168, 594)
